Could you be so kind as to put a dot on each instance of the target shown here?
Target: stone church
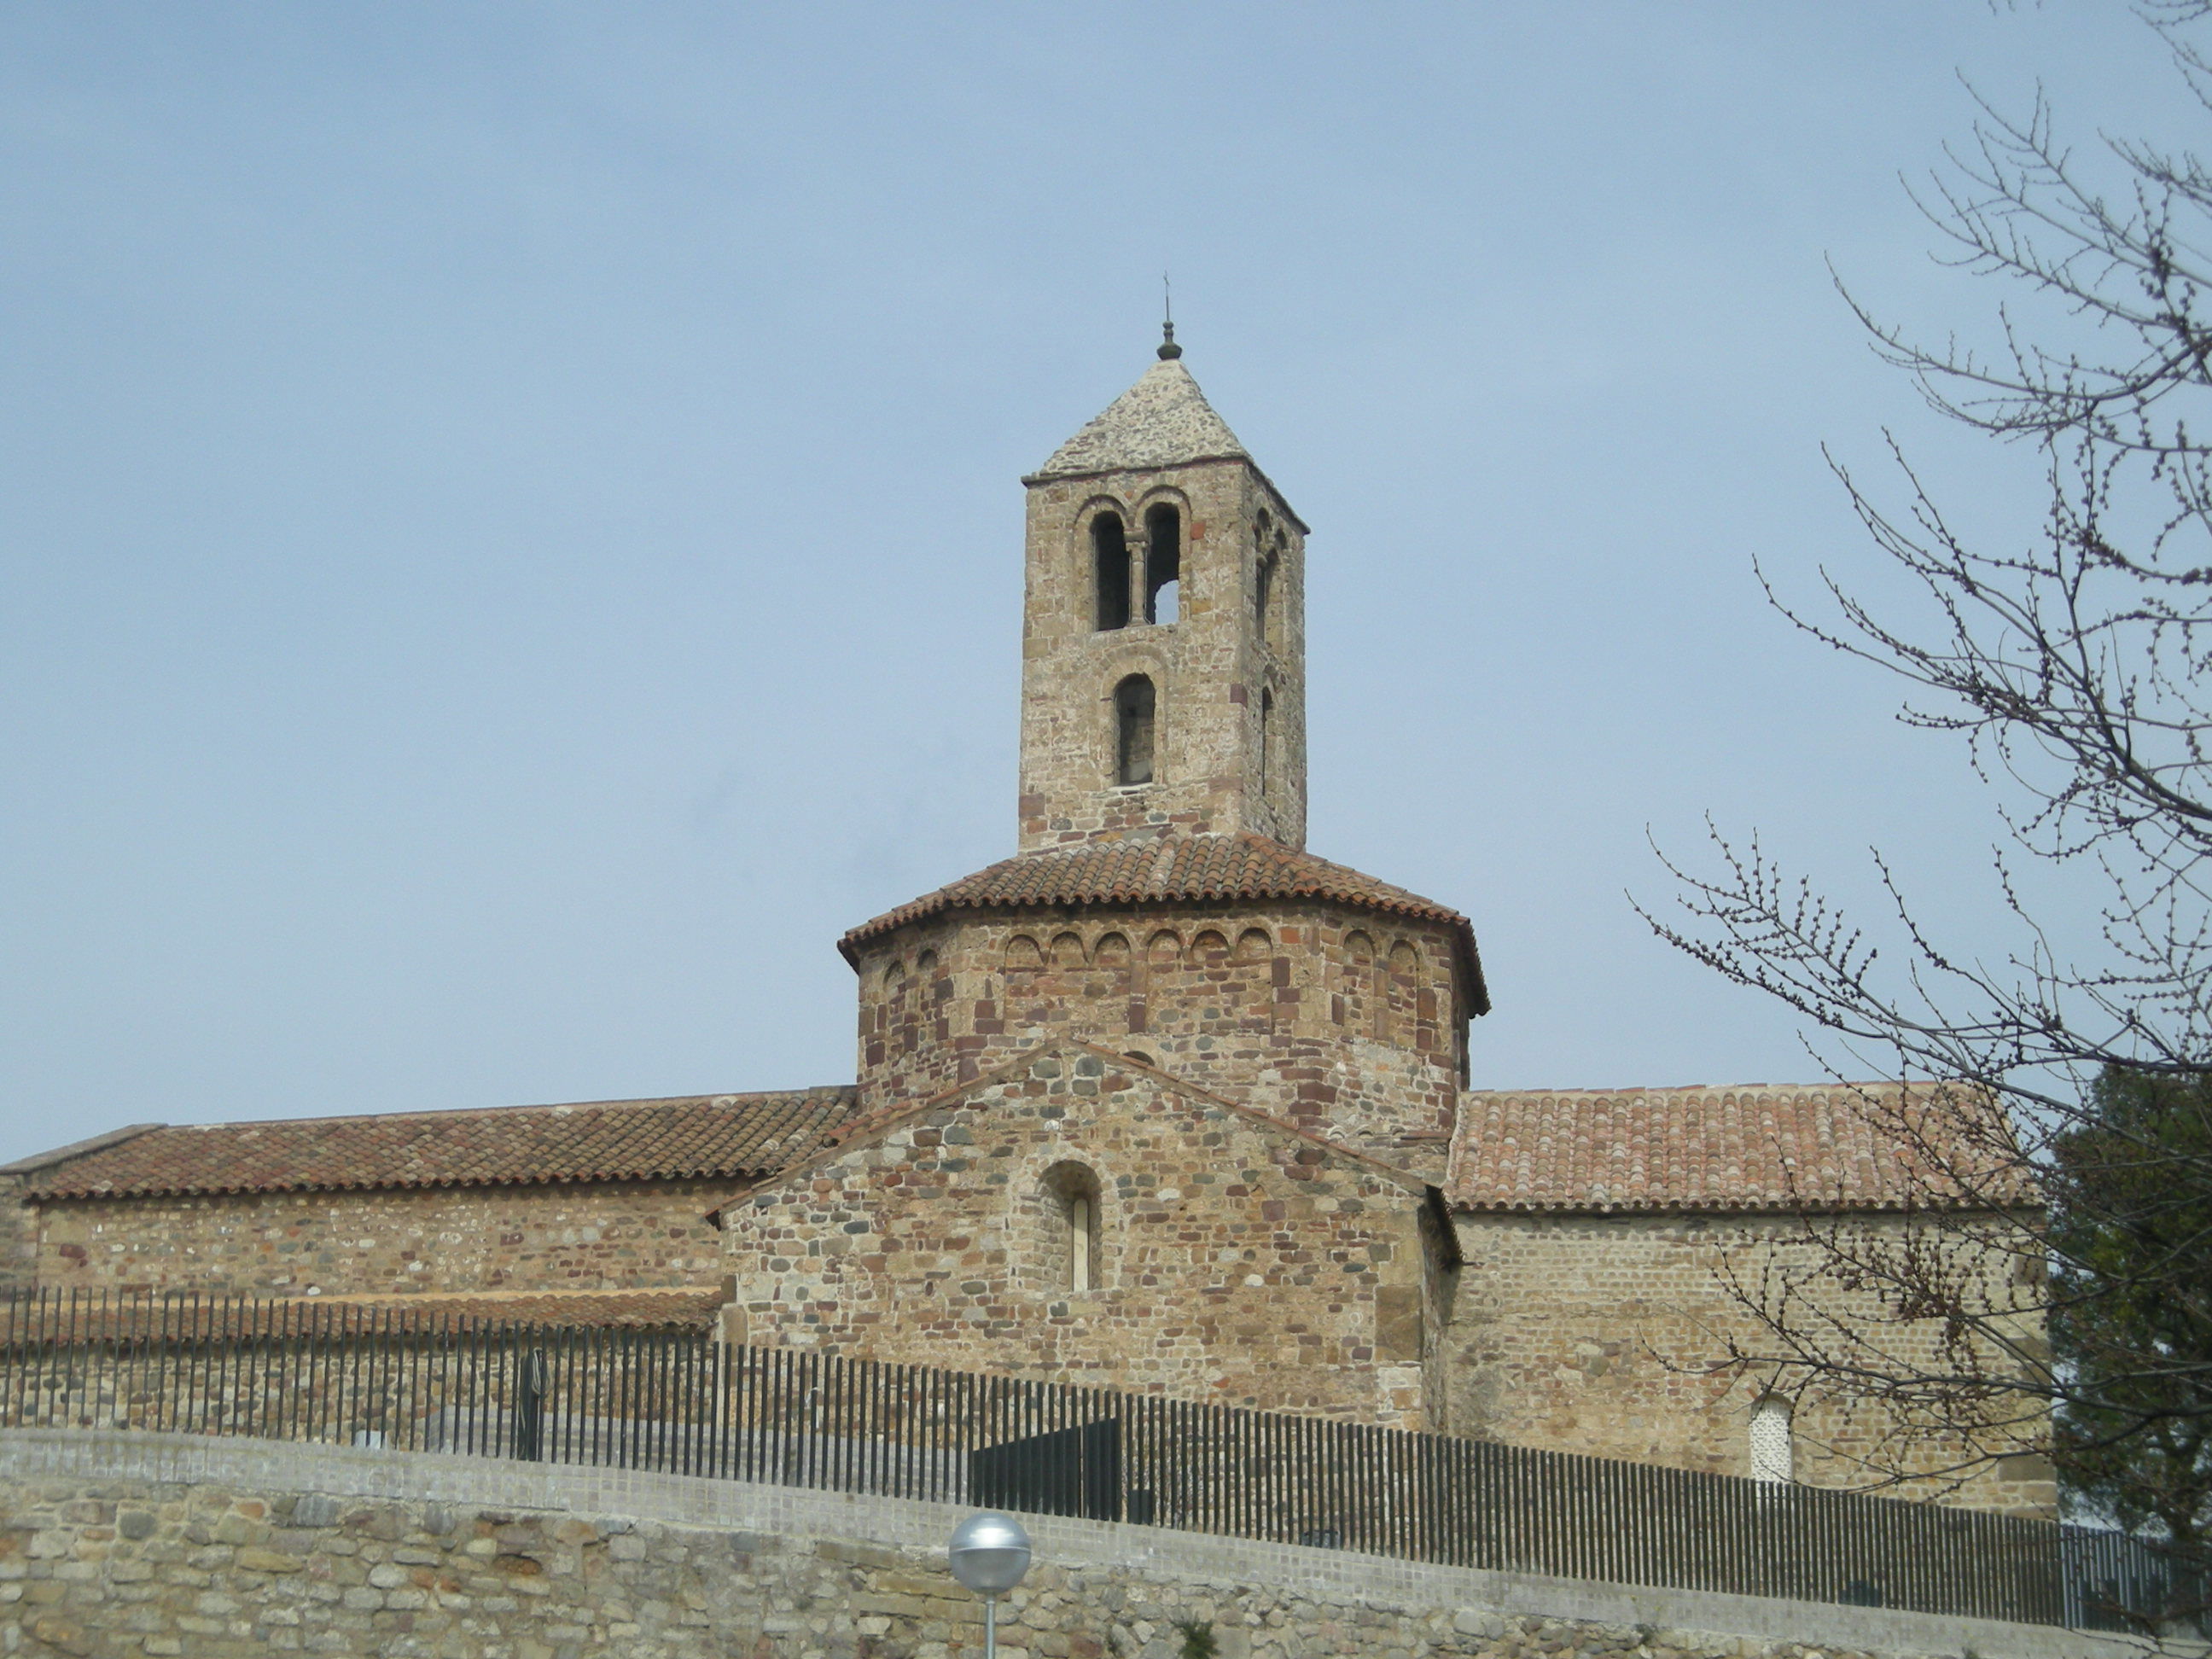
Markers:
(1164, 1102)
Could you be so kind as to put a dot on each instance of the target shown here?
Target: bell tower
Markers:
(1163, 631)
(1162, 905)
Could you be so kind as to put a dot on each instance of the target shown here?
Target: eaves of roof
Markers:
(1181, 873)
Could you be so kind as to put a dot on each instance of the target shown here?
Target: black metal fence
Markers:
(2113, 1582)
(675, 1399)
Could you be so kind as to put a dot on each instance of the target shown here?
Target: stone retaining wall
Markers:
(126, 1545)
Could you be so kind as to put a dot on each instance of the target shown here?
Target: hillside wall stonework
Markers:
(1603, 1334)
(1341, 1023)
(114, 1547)
(1233, 1262)
(574, 1237)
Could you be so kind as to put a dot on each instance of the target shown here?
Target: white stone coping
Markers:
(1226, 1565)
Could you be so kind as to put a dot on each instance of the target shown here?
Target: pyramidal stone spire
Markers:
(1161, 421)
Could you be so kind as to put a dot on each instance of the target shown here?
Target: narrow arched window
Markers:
(1267, 734)
(1271, 608)
(1133, 730)
(1082, 1239)
(1072, 1246)
(1163, 564)
(1110, 565)
(1772, 1455)
(1263, 596)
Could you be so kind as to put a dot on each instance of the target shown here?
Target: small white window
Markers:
(1770, 1453)
(1078, 1243)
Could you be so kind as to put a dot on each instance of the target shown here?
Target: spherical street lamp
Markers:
(989, 1554)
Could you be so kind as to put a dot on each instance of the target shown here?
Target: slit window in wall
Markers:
(1072, 1211)
(1772, 1456)
(1134, 724)
(1110, 566)
(1266, 735)
(1162, 565)
(1262, 576)
(1271, 608)
(1082, 1226)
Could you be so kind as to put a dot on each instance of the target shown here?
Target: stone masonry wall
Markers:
(1234, 1261)
(1208, 668)
(18, 1238)
(117, 1547)
(1332, 1020)
(573, 1236)
(1602, 1334)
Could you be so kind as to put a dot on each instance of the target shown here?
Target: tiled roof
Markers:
(1761, 1147)
(1182, 871)
(1164, 420)
(88, 1316)
(700, 1137)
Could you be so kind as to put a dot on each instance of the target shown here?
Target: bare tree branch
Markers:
(2051, 1285)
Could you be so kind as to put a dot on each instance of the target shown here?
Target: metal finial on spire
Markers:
(1168, 349)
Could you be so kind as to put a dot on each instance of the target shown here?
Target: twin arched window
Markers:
(1117, 579)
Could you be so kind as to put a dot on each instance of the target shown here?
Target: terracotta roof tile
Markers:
(703, 1137)
(1181, 870)
(1762, 1147)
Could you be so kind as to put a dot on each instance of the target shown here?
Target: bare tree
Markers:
(2073, 668)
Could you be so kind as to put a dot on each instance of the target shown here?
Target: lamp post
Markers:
(989, 1554)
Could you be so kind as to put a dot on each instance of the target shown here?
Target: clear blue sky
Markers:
(510, 538)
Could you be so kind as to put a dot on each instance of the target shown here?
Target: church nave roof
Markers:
(1759, 1147)
(694, 1137)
